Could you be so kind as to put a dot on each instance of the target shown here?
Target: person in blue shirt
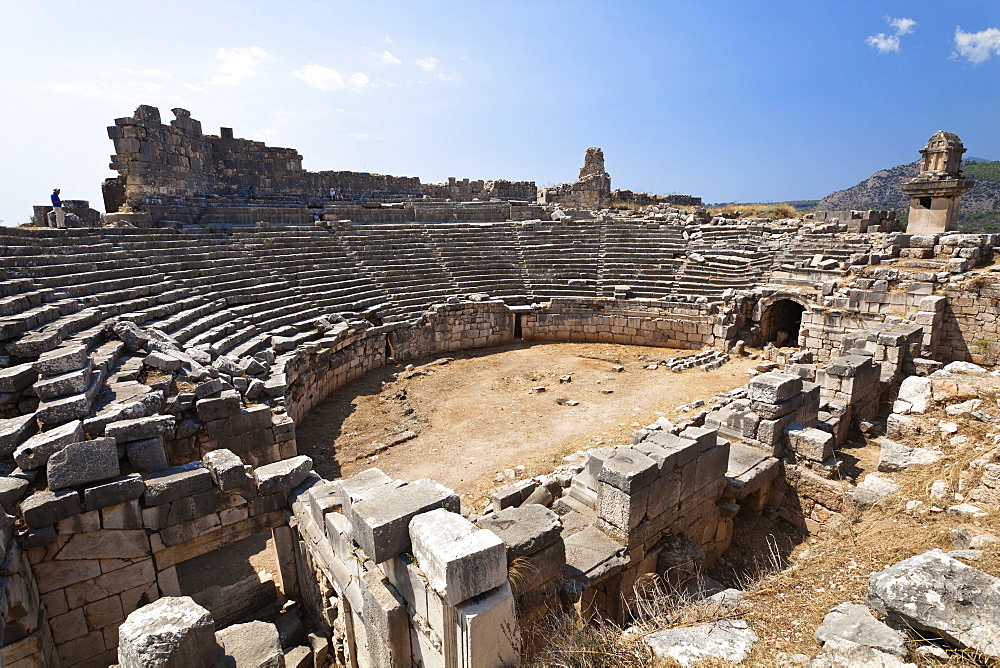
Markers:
(58, 208)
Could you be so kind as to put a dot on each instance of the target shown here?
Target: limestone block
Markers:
(82, 463)
(15, 431)
(216, 408)
(525, 530)
(61, 411)
(895, 456)
(106, 544)
(114, 492)
(61, 360)
(872, 490)
(17, 378)
(930, 592)
(380, 524)
(774, 387)
(854, 623)
(459, 560)
(44, 508)
(386, 622)
(538, 569)
(227, 470)
(176, 483)
(72, 382)
(141, 428)
(148, 454)
(914, 395)
(253, 645)
(621, 510)
(628, 470)
(163, 361)
(729, 640)
(487, 632)
(35, 452)
(282, 475)
(171, 632)
(11, 491)
(811, 443)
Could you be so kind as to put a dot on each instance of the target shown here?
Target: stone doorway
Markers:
(780, 323)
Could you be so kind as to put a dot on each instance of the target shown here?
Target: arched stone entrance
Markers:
(780, 322)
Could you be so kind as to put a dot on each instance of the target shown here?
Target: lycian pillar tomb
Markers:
(934, 193)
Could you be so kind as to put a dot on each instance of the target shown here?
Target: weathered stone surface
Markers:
(381, 523)
(524, 530)
(106, 544)
(148, 454)
(60, 411)
(251, 645)
(855, 623)
(873, 490)
(971, 537)
(283, 475)
(82, 463)
(774, 387)
(17, 378)
(895, 456)
(163, 361)
(171, 632)
(44, 508)
(35, 452)
(459, 560)
(176, 483)
(15, 431)
(216, 408)
(627, 470)
(810, 443)
(11, 491)
(227, 469)
(933, 592)
(914, 395)
(843, 654)
(139, 429)
(61, 360)
(590, 554)
(113, 492)
(730, 640)
(63, 385)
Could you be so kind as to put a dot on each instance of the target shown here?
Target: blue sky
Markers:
(744, 101)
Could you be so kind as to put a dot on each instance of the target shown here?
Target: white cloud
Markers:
(977, 47)
(320, 77)
(428, 64)
(359, 80)
(389, 41)
(884, 43)
(901, 26)
(327, 78)
(386, 58)
(237, 64)
(890, 43)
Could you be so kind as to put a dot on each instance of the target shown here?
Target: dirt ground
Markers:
(465, 419)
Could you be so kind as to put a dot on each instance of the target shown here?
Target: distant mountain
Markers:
(980, 208)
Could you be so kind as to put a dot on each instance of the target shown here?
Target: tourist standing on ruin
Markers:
(57, 207)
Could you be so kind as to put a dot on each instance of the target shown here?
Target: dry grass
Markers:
(777, 210)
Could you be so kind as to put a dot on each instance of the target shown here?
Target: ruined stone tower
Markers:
(935, 192)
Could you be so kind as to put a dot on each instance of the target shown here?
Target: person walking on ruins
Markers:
(57, 207)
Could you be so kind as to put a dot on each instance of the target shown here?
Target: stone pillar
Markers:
(934, 193)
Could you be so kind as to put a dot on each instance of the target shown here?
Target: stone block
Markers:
(17, 378)
(163, 361)
(227, 470)
(282, 475)
(107, 544)
(359, 485)
(386, 622)
(65, 384)
(139, 429)
(729, 640)
(114, 492)
(810, 443)
(459, 559)
(487, 630)
(380, 523)
(60, 411)
(148, 454)
(176, 483)
(44, 508)
(854, 623)
(254, 645)
(61, 360)
(83, 463)
(15, 431)
(524, 530)
(624, 511)
(35, 452)
(536, 570)
(680, 450)
(217, 408)
(774, 387)
(628, 470)
(169, 632)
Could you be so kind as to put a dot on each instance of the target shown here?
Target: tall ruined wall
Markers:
(176, 161)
